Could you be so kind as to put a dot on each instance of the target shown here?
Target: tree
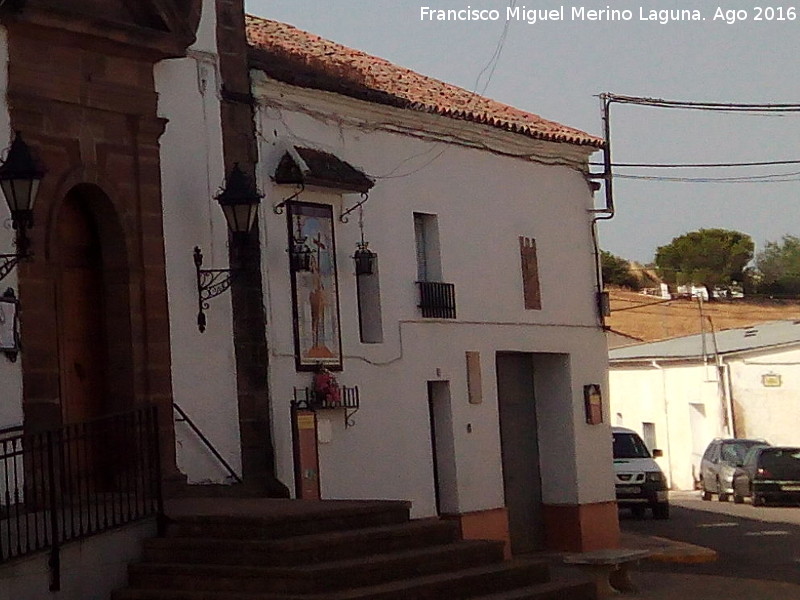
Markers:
(778, 266)
(617, 271)
(708, 257)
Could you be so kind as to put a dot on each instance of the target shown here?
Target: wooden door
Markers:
(83, 346)
(520, 451)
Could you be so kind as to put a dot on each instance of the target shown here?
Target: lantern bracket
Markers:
(7, 263)
(278, 208)
(343, 217)
(210, 284)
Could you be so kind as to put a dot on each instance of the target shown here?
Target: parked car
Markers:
(640, 483)
(769, 474)
(719, 463)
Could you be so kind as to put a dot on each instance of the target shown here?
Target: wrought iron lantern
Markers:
(300, 255)
(364, 259)
(20, 176)
(239, 199)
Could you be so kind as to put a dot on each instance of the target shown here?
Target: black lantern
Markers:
(365, 259)
(300, 255)
(239, 201)
(20, 176)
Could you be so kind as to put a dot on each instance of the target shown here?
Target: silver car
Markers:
(719, 463)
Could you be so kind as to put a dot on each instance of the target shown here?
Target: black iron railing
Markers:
(184, 418)
(77, 481)
(437, 300)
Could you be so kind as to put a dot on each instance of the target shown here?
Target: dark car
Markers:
(769, 474)
(719, 463)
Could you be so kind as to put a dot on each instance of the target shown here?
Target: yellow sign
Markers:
(305, 421)
(771, 380)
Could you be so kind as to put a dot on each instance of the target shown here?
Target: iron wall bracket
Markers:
(210, 284)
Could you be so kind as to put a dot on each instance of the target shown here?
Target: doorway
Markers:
(94, 335)
(443, 447)
(519, 441)
(83, 340)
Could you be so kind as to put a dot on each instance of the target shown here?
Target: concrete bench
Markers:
(609, 568)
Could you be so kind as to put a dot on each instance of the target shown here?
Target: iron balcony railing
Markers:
(437, 300)
(77, 481)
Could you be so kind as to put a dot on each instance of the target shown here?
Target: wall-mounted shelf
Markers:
(350, 401)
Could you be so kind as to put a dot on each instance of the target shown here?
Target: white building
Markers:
(683, 392)
(489, 207)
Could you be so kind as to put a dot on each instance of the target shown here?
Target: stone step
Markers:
(486, 582)
(455, 585)
(322, 577)
(336, 545)
(327, 518)
(556, 589)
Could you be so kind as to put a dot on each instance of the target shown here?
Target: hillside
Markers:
(649, 318)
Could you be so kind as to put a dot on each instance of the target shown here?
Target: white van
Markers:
(639, 480)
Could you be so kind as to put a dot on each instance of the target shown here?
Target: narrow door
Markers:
(520, 451)
(443, 447)
(83, 346)
(93, 454)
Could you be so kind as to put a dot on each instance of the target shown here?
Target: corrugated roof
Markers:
(761, 336)
(300, 58)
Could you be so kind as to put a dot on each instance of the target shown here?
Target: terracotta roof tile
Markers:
(301, 58)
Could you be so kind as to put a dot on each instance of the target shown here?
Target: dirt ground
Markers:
(649, 318)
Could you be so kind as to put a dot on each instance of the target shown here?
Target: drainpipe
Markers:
(655, 365)
(605, 213)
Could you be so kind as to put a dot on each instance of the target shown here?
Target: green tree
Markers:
(778, 266)
(617, 271)
(708, 257)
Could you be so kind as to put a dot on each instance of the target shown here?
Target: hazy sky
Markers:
(557, 68)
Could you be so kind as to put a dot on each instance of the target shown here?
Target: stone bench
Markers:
(608, 568)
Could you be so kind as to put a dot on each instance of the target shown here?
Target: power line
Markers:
(698, 165)
(710, 106)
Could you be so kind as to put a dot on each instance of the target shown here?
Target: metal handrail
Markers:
(77, 481)
(207, 442)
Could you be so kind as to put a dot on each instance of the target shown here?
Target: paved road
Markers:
(755, 543)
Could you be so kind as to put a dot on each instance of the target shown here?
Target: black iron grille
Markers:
(437, 300)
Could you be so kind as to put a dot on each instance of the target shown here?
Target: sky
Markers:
(557, 69)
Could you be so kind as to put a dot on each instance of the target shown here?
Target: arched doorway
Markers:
(94, 337)
(83, 339)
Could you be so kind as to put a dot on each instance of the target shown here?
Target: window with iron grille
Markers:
(437, 299)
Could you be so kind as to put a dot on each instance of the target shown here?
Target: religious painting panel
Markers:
(315, 291)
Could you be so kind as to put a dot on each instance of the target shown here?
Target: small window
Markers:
(426, 236)
(370, 319)
(649, 435)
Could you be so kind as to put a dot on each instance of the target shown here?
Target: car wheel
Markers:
(738, 499)
(723, 497)
(661, 511)
(637, 512)
(706, 494)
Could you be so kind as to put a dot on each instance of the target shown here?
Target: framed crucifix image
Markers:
(315, 291)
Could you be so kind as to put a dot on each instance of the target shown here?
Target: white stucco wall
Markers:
(663, 394)
(10, 373)
(90, 569)
(484, 202)
(763, 411)
(203, 364)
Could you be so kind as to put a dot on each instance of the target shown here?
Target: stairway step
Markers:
(318, 577)
(327, 518)
(303, 549)
(160, 594)
(556, 589)
(454, 585)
